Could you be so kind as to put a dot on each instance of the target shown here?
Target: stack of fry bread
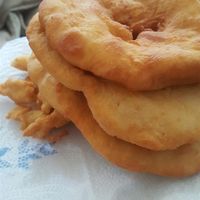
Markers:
(125, 73)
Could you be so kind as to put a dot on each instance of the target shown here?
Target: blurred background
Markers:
(14, 17)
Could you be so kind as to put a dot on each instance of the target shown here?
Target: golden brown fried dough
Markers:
(44, 105)
(37, 118)
(20, 62)
(20, 91)
(183, 161)
(96, 35)
(157, 120)
(42, 126)
(36, 124)
(25, 115)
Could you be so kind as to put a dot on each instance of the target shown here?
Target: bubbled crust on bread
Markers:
(80, 32)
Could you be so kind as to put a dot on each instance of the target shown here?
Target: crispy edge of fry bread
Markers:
(39, 125)
(20, 91)
(44, 105)
(20, 62)
(42, 127)
(37, 118)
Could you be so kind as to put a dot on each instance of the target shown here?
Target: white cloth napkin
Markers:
(31, 169)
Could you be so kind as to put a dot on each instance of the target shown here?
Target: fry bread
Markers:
(21, 91)
(183, 161)
(37, 118)
(143, 45)
(157, 120)
(20, 62)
